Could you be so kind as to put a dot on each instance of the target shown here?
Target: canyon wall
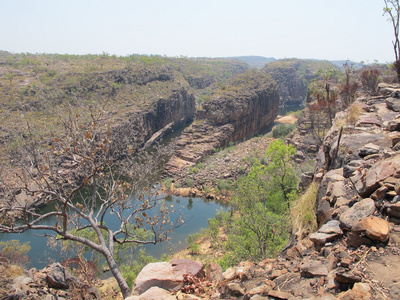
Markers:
(244, 107)
(165, 115)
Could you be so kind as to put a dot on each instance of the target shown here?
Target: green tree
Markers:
(261, 202)
(392, 8)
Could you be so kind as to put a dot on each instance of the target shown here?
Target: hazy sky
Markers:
(321, 29)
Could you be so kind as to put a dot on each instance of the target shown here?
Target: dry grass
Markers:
(303, 212)
(353, 114)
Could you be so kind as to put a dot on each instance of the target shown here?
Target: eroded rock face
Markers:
(166, 115)
(248, 109)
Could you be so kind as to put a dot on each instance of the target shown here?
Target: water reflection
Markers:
(196, 212)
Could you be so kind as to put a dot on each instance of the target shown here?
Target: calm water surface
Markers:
(196, 212)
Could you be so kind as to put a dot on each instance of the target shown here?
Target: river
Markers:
(196, 212)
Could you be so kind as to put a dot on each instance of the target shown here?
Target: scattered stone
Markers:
(355, 240)
(369, 149)
(313, 269)
(364, 208)
(359, 291)
(346, 262)
(235, 289)
(261, 289)
(393, 125)
(279, 295)
(380, 193)
(230, 273)
(277, 273)
(394, 137)
(328, 232)
(374, 228)
(347, 277)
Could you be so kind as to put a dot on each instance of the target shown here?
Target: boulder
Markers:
(59, 278)
(364, 208)
(313, 268)
(328, 232)
(166, 275)
(374, 228)
(393, 125)
(393, 104)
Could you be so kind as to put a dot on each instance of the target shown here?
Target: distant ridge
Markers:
(254, 61)
(260, 61)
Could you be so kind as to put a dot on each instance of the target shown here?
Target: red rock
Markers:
(313, 269)
(375, 228)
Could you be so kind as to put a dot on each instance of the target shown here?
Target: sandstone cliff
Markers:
(293, 77)
(148, 126)
(244, 107)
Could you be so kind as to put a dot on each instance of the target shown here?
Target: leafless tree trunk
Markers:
(392, 8)
(80, 172)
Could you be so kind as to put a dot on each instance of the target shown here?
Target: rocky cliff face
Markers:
(247, 106)
(292, 88)
(166, 114)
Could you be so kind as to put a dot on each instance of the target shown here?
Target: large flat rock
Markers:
(166, 275)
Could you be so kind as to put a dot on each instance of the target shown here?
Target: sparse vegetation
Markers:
(302, 213)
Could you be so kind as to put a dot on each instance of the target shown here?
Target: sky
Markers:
(318, 29)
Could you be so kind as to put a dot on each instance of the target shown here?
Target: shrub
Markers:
(194, 248)
(190, 182)
(15, 252)
(282, 130)
(193, 170)
(168, 183)
(370, 79)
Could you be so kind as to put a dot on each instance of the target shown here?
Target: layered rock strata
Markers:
(149, 126)
(230, 116)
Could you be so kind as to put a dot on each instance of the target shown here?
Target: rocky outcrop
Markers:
(246, 107)
(164, 116)
(292, 88)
